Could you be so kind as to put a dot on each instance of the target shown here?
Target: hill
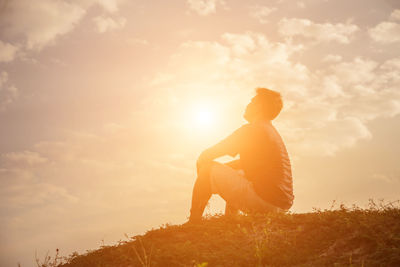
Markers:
(340, 237)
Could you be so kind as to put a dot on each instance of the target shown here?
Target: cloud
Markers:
(339, 102)
(40, 23)
(325, 110)
(385, 32)
(205, 7)
(391, 178)
(22, 195)
(110, 5)
(325, 32)
(301, 4)
(356, 72)
(261, 13)
(395, 15)
(25, 157)
(8, 93)
(240, 44)
(94, 171)
(330, 136)
(332, 58)
(137, 41)
(7, 52)
(104, 24)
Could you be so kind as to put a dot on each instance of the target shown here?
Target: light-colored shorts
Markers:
(236, 190)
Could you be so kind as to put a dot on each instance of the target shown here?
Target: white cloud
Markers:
(324, 32)
(25, 157)
(367, 88)
(332, 58)
(104, 24)
(331, 136)
(40, 23)
(356, 92)
(261, 13)
(395, 15)
(161, 78)
(205, 7)
(137, 41)
(20, 194)
(94, 170)
(109, 5)
(385, 32)
(7, 52)
(356, 72)
(324, 111)
(391, 65)
(241, 44)
(3, 78)
(301, 4)
(7, 96)
(391, 178)
(8, 93)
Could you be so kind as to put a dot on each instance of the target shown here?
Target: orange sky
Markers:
(106, 104)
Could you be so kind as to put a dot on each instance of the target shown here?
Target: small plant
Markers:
(48, 262)
(337, 236)
(145, 260)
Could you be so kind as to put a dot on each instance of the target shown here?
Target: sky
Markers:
(105, 106)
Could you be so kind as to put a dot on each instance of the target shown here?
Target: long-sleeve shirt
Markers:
(264, 159)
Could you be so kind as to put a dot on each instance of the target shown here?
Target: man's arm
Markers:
(228, 146)
(234, 164)
(208, 155)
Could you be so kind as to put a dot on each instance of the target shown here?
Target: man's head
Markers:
(266, 105)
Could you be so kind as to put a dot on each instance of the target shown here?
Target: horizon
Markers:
(105, 106)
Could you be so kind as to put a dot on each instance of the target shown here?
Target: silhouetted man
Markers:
(261, 180)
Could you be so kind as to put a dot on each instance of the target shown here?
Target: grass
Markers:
(336, 237)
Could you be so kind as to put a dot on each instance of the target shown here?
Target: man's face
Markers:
(251, 112)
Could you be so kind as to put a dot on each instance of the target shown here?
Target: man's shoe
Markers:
(194, 221)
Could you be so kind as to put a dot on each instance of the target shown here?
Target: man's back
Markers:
(265, 161)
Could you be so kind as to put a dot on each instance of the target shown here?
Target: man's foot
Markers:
(231, 211)
(194, 221)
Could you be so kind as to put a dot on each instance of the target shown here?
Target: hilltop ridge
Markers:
(340, 237)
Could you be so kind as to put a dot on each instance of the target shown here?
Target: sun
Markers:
(203, 117)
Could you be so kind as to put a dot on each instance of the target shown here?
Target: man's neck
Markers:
(261, 120)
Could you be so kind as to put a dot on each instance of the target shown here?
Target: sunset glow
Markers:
(204, 118)
(106, 105)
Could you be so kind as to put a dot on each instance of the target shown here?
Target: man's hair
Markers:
(271, 102)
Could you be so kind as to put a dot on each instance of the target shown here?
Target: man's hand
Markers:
(207, 156)
(234, 164)
(203, 159)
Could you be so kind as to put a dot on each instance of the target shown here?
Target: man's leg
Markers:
(201, 193)
(230, 210)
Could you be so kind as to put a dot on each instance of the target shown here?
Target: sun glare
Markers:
(203, 117)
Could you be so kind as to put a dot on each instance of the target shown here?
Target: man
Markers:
(261, 180)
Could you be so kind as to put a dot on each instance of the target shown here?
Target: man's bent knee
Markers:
(205, 169)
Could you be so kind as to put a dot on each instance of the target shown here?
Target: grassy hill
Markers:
(340, 237)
